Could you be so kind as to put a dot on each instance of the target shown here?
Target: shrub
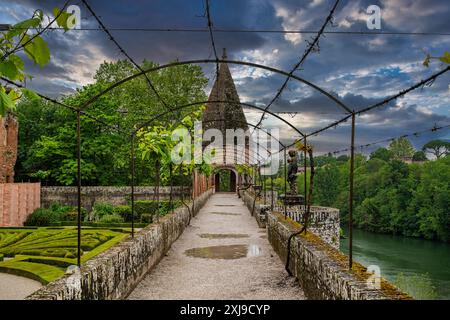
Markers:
(41, 217)
(102, 209)
(145, 207)
(166, 208)
(146, 218)
(111, 218)
(124, 212)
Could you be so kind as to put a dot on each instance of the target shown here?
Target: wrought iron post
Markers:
(133, 174)
(305, 156)
(79, 188)
(285, 187)
(171, 187)
(350, 204)
(271, 192)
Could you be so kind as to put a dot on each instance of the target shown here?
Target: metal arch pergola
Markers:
(351, 113)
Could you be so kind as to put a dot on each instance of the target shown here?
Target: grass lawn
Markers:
(43, 254)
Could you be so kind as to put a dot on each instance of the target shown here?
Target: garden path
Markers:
(221, 255)
(16, 288)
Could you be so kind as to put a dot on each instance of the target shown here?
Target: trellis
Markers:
(313, 46)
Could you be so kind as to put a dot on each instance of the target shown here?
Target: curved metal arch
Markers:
(249, 124)
(250, 64)
(242, 122)
(149, 121)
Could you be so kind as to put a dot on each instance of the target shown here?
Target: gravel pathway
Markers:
(16, 288)
(240, 265)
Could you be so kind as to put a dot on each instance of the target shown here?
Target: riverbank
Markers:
(422, 265)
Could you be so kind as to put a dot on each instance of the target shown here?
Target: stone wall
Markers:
(17, 202)
(8, 147)
(322, 271)
(91, 195)
(324, 221)
(114, 273)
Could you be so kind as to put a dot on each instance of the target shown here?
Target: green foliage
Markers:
(100, 210)
(24, 36)
(146, 218)
(418, 286)
(41, 217)
(438, 148)
(43, 254)
(382, 154)
(389, 196)
(401, 148)
(419, 156)
(145, 206)
(111, 218)
(124, 212)
(445, 58)
(48, 132)
(56, 213)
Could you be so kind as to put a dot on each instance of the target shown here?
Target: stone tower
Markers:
(227, 114)
(8, 147)
(224, 115)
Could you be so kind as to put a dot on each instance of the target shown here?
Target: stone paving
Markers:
(16, 288)
(221, 255)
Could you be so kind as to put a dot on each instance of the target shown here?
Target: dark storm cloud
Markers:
(360, 70)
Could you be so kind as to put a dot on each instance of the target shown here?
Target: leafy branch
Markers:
(21, 38)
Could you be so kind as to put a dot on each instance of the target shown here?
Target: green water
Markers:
(397, 254)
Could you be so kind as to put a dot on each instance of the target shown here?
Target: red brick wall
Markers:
(8, 147)
(201, 184)
(17, 201)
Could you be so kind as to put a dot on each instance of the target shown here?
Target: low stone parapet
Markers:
(114, 273)
(322, 270)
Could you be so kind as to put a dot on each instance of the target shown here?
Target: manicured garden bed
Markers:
(44, 254)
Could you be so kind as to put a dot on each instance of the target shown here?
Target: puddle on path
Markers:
(225, 205)
(226, 213)
(235, 251)
(223, 235)
(263, 236)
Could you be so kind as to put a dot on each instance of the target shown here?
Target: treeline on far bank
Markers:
(390, 195)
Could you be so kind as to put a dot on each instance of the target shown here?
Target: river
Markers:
(412, 257)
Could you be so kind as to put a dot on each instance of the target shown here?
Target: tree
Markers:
(401, 149)
(419, 156)
(105, 151)
(438, 148)
(381, 153)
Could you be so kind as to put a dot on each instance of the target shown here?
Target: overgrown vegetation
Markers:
(391, 196)
(103, 214)
(47, 132)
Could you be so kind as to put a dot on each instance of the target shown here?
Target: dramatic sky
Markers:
(358, 69)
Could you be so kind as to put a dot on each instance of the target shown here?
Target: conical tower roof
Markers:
(231, 111)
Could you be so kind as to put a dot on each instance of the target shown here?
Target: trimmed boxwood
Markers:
(124, 212)
(111, 218)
